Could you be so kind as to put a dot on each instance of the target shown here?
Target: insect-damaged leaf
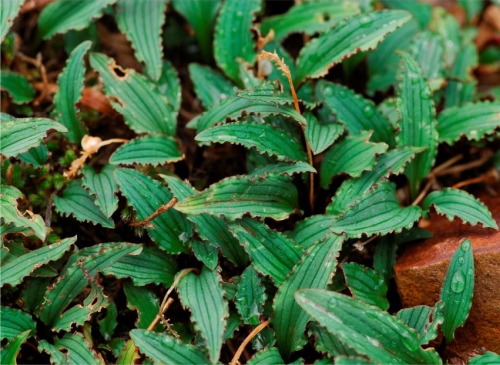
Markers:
(153, 150)
(76, 348)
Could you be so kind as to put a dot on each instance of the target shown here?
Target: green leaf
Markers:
(233, 39)
(359, 33)
(283, 168)
(351, 156)
(390, 163)
(418, 127)
(314, 271)
(270, 356)
(169, 85)
(344, 360)
(355, 112)
(62, 16)
(328, 343)
(144, 301)
(311, 230)
(309, 18)
(272, 252)
(36, 156)
(428, 48)
(320, 136)
(14, 271)
(76, 201)
(458, 203)
(366, 284)
(203, 295)
(234, 107)
(150, 266)
(108, 324)
(424, 319)
(205, 253)
(129, 354)
(171, 229)
(70, 82)
(77, 349)
(163, 348)
(471, 120)
(384, 257)
(142, 24)
(11, 215)
(367, 329)
(421, 12)
(377, 212)
(9, 12)
(18, 87)
(145, 110)
(250, 297)
(472, 8)
(11, 350)
(14, 322)
(32, 296)
(20, 134)
(200, 16)
(153, 150)
(263, 137)
(103, 186)
(273, 197)
(457, 290)
(210, 86)
(488, 358)
(462, 87)
(233, 322)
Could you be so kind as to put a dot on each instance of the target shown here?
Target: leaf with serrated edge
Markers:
(250, 297)
(36, 156)
(14, 271)
(377, 212)
(11, 350)
(422, 12)
(384, 257)
(367, 329)
(9, 12)
(267, 356)
(283, 168)
(263, 137)
(203, 295)
(103, 186)
(366, 284)
(462, 86)
(210, 86)
(70, 83)
(268, 92)
(142, 24)
(357, 34)
(62, 16)
(474, 121)
(457, 290)
(78, 349)
(321, 135)
(418, 126)
(458, 203)
(14, 322)
(273, 197)
(77, 202)
(233, 38)
(17, 86)
(427, 48)
(153, 150)
(205, 253)
(129, 354)
(169, 85)
(315, 270)
(390, 163)
(351, 156)
(166, 349)
(144, 301)
(20, 134)
(424, 319)
(328, 343)
(145, 110)
(488, 358)
(311, 230)
(355, 112)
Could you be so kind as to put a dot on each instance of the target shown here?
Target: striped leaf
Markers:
(250, 297)
(328, 343)
(153, 150)
(14, 322)
(17, 86)
(145, 110)
(129, 354)
(421, 12)
(142, 23)
(267, 356)
(428, 48)
(103, 186)
(76, 349)
(320, 136)
(311, 230)
(144, 302)
(9, 353)
(283, 168)
(203, 296)
(70, 83)
(424, 319)
(205, 253)
(366, 284)
(169, 85)
(9, 12)
(462, 86)
(210, 86)
(359, 33)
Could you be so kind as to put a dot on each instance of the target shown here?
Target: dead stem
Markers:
(163, 208)
(466, 166)
(37, 62)
(245, 342)
(424, 191)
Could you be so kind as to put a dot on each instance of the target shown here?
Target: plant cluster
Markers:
(207, 259)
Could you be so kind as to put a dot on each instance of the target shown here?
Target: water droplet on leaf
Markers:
(458, 282)
(465, 246)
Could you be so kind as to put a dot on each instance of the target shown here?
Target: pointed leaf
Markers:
(422, 12)
(17, 86)
(11, 350)
(272, 252)
(144, 301)
(203, 295)
(328, 343)
(145, 110)
(70, 82)
(462, 87)
(103, 186)
(250, 297)
(377, 212)
(367, 329)
(233, 39)
(351, 156)
(355, 112)
(129, 354)
(36, 156)
(358, 33)
(108, 324)
(384, 257)
(311, 230)
(169, 85)
(205, 253)
(418, 127)
(62, 16)
(77, 348)
(457, 290)
(471, 120)
(366, 284)
(314, 271)
(270, 356)
(210, 86)
(76, 201)
(458, 203)
(424, 319)
(163, 348)
(154, 150)
(283, 168)
(427, 48)
(263, 137)
(14, 322)
(321, 135)
(20, 134)
(9, 12)
(273, 196)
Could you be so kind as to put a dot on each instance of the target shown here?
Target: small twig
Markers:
(360, 244)
(37, 62)
(163, 208)
(245, 342)
(445, 165)
(466, 166)
(424, 191)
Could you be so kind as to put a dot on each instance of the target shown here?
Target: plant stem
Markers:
(245, 342)
(163, 208)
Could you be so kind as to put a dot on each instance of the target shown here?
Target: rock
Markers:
(420, 272)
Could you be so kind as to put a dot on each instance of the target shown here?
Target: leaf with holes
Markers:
(366, 284)
(424, 319)
(153, 150)
(320, 136)
(75, 349)
(17, 86)
(103, 186)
